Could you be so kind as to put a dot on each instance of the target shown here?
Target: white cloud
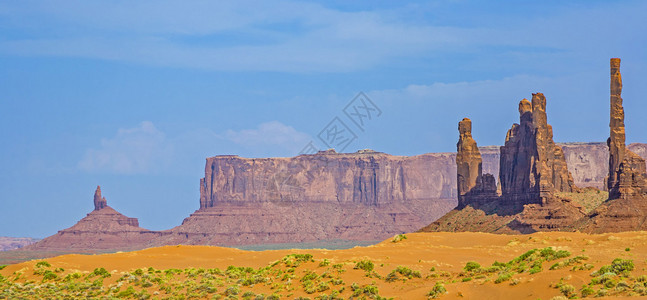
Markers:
(141, 149)
(258, 35)
(145, 149)
(272, 134)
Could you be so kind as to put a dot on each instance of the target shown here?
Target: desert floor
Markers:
(424, 265)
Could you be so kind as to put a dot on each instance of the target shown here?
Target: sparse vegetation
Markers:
(365, 265)
(398, 238)
(43, 264)
(472, 266)
(437, 291)
(299, 274)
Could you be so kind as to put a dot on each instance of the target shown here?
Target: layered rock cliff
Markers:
(102, 229)
(11, 243)
(354, 196)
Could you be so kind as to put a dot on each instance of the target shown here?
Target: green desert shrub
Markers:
(294, 260)
(437, 291)
(618, 266)
(587, 291)
(567, 289)
(406, 272)
(323, 286)
(536, 267)
(232, 290)
(471, 266)
(398, 238)
(101, 272)
(49, 275)
(324, 262)
(365, 265)
(503, 277)
(42, 264)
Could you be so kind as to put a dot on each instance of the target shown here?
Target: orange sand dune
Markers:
(447, 253)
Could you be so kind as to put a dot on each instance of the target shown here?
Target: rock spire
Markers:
(532, 167)
(472, 185)
(99, 202)
(626, 169)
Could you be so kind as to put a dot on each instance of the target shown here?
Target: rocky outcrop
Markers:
(532, 167)
(11, 243)
(472, 184)
(366, 195)
(102, 229)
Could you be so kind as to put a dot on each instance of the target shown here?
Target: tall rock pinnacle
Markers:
(468, 161)
(473, 187)
(627, 176)
(616, 140)
(99, 202)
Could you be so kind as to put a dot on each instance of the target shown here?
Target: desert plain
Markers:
(467, 265)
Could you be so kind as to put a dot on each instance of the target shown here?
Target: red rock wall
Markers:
(326, 196)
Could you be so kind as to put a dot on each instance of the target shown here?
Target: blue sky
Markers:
(135, 95)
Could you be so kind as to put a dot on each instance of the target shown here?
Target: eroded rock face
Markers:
(532, 167)
(102, 229)
(356, 196)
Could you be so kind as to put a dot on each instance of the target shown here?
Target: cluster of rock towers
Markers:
(533, 169)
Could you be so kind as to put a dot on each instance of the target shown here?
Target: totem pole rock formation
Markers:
(626, 169)
(532, 170)
(626, 208)
(532, 167)
(472, 185)
(99, 202)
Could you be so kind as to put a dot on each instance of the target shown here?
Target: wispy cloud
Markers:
(144, 149)
(287, 36)
(271, 134)
(140, 149)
